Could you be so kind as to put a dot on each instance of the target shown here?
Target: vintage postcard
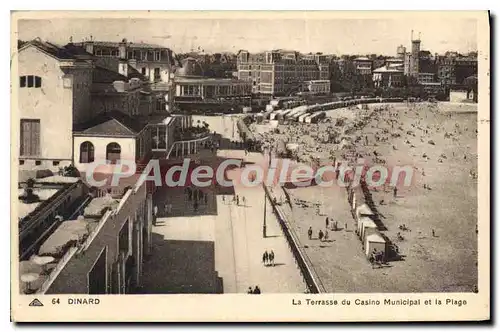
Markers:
(171, 166)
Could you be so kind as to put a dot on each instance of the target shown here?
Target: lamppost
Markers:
(264, 225)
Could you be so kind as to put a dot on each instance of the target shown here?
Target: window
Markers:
(30, 137)
(21, 162)
(38, 162)
(55, 163)
(157, 73)
(144, 55)
(143, 71)
(157, 56)
(86, 152)
(30, 81)
(113, 152)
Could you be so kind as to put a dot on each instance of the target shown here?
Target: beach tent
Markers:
(374, 242)
(363, 210)
(358, 198)
(366, 227)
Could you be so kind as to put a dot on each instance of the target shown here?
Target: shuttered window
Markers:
(30, 137)
(30, 81)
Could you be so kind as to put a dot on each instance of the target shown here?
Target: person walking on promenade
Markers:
(395, 191)
(256, 290)
(265, 257)
(244, 201)
(310, 232)
(224, 198)
(326, 235)
(170, 208)
(205, 197)
(166, 208)
(155, 214)
(271, 258)
(320, 235)
(237, 200)
(326, 222)
(250, 290)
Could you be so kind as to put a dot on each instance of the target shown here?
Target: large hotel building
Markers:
(281, 72)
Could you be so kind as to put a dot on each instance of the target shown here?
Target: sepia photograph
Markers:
(302, 154)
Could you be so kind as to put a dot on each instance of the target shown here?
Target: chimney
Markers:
(122, 49)
(123, 67)
(89, 45)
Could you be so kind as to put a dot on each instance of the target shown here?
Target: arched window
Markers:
(86, 152)
(113, 151)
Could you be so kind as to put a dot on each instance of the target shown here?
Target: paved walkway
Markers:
(239, 256)
(221, 242)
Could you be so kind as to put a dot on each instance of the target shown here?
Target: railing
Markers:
(55, 272)
(314, 284)
(196, 140)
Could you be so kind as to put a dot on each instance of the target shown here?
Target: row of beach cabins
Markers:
(316, 113)
(375, 245)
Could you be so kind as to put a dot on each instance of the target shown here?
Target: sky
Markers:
(331, 36)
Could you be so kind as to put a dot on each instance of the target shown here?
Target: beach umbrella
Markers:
(42, 260)
(28, 278)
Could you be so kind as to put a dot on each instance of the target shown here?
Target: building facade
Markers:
(318, 87)
(54, 93)
(281, 72)
(364, 66)
(155, 62)
(414, 63)
(453, 69)
(387, 77)
(109, 138)
(426, 78)
(109, 259)
(210, 88)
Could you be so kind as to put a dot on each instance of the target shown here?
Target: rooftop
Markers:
(375, 237)
(55, 50)
(114, 123)
(384, 69)
(44, 194)
(97, 206)
(64, 241)
(112, 64)
(129, 44)
(68, 233)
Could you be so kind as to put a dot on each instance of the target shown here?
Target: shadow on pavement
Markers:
(178, 266)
